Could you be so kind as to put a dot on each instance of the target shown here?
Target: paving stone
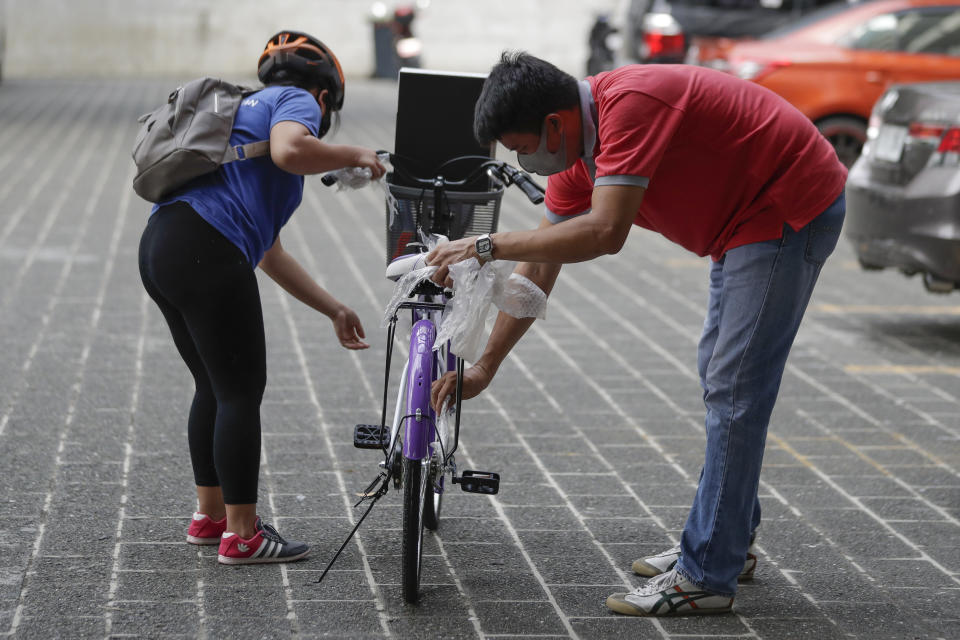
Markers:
(90, 434)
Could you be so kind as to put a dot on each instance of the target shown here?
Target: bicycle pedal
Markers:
(369, 436)
(485, 482)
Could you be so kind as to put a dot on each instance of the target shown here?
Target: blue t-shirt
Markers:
(249, 201)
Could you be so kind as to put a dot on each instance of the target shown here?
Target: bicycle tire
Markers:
(414, 501)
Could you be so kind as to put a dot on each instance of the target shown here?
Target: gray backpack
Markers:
(189, 136)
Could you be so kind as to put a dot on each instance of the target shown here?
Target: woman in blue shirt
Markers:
(197, 259)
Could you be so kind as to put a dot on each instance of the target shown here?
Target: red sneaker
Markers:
(204, 530)
(265, 546)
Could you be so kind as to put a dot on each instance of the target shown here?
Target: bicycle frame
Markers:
(414, 421)
(415, 465)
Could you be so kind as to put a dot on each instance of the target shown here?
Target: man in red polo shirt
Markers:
(720, 166)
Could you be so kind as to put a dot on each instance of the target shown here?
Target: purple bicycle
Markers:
(417, 455)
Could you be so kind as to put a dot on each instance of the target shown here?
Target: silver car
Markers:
(903, 194)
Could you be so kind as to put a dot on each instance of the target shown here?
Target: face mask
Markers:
(541, 161)
(324, 122)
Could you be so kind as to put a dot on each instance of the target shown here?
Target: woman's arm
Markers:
(293, 278)
(293, 148)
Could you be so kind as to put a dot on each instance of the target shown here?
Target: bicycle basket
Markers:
(471, 214)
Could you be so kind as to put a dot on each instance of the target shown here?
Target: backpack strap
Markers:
(249, 150)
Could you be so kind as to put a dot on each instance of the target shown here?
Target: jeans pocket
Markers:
(823, 232)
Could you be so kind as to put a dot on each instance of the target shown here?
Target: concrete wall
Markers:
(191, 37)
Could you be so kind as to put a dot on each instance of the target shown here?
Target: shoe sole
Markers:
(228, 560)
(617, 604)
(203, 541)
(645, 570)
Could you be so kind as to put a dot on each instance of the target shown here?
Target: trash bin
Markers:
(385, 65)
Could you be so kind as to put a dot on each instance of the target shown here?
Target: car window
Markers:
(828, 11)
(934, 31)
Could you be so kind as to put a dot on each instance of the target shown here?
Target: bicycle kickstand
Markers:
(383, 479)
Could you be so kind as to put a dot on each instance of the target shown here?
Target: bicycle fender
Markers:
(417, 433)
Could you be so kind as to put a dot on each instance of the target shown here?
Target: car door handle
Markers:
(875, 77)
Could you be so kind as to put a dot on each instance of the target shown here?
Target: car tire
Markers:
(847, 135)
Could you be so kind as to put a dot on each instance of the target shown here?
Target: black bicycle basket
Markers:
(470, 214)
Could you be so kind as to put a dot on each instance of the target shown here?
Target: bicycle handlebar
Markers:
(531, 189)
(498, 170)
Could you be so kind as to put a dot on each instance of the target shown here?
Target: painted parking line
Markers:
(881, 309)
(901, 369)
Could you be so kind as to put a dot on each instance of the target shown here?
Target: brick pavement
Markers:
(595, 424)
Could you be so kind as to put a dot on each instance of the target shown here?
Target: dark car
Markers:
(903, 194)
(667, 31)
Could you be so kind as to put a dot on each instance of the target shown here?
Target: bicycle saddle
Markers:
(403, 265)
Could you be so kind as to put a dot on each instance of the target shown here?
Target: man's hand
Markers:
(447, 254)
(475, 380)
(349, 331)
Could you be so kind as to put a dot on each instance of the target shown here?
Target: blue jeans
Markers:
(758, 294)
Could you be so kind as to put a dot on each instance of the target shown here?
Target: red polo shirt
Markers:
(725, 162)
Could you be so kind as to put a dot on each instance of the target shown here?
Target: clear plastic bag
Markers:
(475, 287)
(358, 177)
(444, 421)
(407, 283)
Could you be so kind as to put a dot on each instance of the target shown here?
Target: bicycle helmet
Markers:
(303, 56)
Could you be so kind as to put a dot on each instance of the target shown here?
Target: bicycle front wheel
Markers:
(415, 481)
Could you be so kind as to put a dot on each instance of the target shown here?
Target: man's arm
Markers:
(600, 232)
(507, 331)
(294, 149)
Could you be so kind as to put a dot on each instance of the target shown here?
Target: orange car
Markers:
(835, 63)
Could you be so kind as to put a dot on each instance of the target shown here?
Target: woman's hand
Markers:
(367, 159)
(349, 331)
(475, 380)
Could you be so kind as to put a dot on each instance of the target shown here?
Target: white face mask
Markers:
(541, 161)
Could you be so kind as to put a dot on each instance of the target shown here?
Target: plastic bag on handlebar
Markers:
(358, 177)
(475, 288)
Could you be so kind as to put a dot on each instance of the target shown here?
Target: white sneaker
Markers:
(662, 562)
(669, 594)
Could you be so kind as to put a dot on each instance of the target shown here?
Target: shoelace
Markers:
(657, 584)
(271, 534)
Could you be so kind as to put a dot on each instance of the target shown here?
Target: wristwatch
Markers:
(484, 246)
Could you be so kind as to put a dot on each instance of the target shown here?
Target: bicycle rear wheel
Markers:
(415, 482)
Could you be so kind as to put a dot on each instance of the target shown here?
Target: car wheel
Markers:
(847, 136)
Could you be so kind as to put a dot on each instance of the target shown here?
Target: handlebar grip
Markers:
(530, 189)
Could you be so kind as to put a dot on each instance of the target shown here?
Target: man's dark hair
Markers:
(518, 94)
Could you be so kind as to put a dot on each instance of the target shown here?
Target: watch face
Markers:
(483, 245)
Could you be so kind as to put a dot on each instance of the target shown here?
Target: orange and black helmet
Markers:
(304, 57)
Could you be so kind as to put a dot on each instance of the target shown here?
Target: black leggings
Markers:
(207, 291)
